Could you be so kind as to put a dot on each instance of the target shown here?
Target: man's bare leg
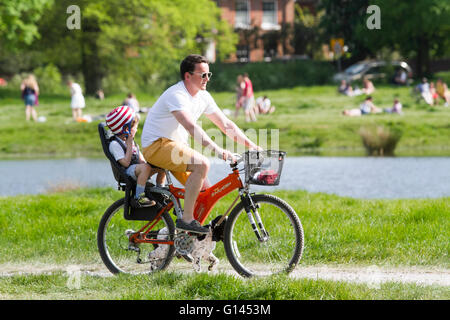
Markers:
(194, 185)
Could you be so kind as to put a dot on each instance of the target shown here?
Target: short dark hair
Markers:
(188, 64)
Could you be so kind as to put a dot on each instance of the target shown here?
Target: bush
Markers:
(49, 79)
(379, 140)
(271, 75)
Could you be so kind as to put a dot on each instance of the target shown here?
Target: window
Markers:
(242, 53)
(242, 19)
(270, 17)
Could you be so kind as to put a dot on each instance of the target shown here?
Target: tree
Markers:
(134, 42)
(417, 29)
(307, 32)
(341, 20)
(18, 21)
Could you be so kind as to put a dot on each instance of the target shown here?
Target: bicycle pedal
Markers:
(186, 257)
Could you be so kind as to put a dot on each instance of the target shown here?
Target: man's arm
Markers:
(198, 133)
(231, 130)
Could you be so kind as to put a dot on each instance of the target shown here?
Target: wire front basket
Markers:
(264, 167)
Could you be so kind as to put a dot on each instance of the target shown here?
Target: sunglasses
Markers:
(203, 74)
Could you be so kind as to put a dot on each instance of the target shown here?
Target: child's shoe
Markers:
(142, 201)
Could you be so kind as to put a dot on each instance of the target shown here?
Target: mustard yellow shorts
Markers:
(170, 155)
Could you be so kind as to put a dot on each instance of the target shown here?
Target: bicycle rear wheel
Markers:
(279, 251)
(120, 255)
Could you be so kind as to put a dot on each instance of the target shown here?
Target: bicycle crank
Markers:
(133, 246)
(184, 243)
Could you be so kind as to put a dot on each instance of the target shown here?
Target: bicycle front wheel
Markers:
(121, 255)
(276, 251)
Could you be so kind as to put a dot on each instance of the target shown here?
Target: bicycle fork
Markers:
(252, 209)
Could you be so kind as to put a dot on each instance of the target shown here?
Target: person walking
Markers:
(248, 99)
(77, 102)
(240, 85)
(30, 92)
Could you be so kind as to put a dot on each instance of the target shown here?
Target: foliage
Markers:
(379, 140)
(416, 29)
(420, 30)
(49, 79)
(273, 75)
(18, 21)
(133, 44)
(307, 32)
(341, 19)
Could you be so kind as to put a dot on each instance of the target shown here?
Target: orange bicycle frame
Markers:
(203, 206)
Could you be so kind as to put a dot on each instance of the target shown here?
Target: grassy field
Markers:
(177, 286)
(309, 121)
(60, 229)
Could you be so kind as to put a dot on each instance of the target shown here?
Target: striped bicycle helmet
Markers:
(119, 120)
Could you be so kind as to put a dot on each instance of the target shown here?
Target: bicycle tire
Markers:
(283, 250)
(113, 243)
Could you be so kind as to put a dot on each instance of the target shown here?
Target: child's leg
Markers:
(161, 177)
(142, 173)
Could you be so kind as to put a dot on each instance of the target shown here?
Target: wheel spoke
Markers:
(121, 253)
(279, 253)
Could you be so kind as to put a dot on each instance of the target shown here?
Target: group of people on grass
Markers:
(30, 94)
(430, 92)
(368, 107)
(346, 89)
(245, 99)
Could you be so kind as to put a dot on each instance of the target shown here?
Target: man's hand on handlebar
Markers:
(256, 148)
(227, 155)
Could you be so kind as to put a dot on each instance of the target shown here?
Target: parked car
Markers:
(373, 70)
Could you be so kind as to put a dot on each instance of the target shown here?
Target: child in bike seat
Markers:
(123, 122)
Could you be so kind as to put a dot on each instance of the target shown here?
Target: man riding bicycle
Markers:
(167, 128)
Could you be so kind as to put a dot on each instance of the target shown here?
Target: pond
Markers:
(358, 177)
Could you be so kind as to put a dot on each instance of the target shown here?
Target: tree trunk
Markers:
(423, 57)
(91, 64)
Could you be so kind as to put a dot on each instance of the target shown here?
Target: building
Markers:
(261, 25)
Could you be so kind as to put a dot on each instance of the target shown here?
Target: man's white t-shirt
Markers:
(160, 122)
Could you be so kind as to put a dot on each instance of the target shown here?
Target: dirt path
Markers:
(373, 275)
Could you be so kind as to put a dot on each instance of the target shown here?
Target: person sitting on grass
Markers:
(424, 89)
(264, 106)
(123, 122)
(443, 92)
(346, 89)
(396, 108)
(367, 107)
(368, 87)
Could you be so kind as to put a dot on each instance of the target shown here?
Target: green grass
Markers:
(308, 118)
(60, 229)
(177, 286)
